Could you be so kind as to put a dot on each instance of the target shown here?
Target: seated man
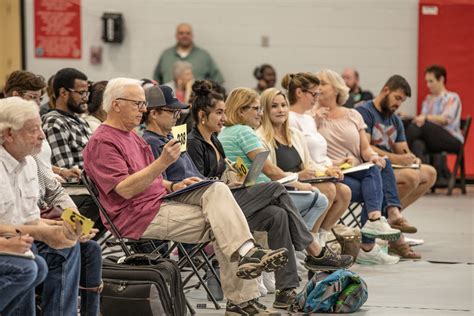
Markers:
(52, 200)
(266, 206)
(133, 191)
(18, 275)
(67, 134)
(387, 136)
(56, 242)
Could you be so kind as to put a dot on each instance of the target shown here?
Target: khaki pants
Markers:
(192, 218)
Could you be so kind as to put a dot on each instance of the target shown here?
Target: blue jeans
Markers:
(366, 186)
(60, 289)
(91, 274)
(311, 206)
(390, 193)
(18, 279)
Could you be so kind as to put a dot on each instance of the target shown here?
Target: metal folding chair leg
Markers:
(188, 259)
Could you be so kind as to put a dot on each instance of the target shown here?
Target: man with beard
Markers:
(386, 134)
(67, 133)
(204, 66)
(356, 94)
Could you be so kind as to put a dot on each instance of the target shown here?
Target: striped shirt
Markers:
(448, 105)
(238, 141)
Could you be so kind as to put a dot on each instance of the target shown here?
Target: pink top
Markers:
(342, 135)
(110, 156)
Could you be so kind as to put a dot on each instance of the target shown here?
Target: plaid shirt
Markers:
(51, 192)
(67, 134)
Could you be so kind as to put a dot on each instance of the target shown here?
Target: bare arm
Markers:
(367, 153)
(141, 180)
(365, 149)
(269, 169)
(273, 172)
(441, 120)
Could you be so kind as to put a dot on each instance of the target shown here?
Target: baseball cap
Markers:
(163, 96)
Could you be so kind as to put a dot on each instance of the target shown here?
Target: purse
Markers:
(230, 174)
(348, 238)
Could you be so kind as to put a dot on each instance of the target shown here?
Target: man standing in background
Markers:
(204, 66)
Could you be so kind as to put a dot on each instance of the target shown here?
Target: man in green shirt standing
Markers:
(204, 66)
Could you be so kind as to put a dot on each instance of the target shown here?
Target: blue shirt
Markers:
(183, 167)
(384, 131)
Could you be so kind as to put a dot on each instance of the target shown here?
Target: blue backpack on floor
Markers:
(342, 291)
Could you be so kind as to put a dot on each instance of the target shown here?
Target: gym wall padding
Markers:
(446, 37)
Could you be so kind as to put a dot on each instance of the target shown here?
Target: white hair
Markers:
(180, 67)
(339, 85)
(116, 89)
(14, 112)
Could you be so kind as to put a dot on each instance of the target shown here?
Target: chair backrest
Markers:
(465, 125)
(94, 192)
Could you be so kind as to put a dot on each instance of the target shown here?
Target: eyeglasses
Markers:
(31, 96)
(83, 94)
(314, 94)
(257, 109)
(139, 104)
(176, 113)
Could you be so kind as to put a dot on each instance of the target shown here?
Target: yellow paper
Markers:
(345, 165)
(240, 165)
(70, 216)
(319, 174)
(180, 133)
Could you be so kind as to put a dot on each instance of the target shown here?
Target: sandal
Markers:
(403, 225)
(404, 251)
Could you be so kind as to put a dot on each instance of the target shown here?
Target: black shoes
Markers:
(329, 261)
(252, 307)
(285, 299)
(258, 259)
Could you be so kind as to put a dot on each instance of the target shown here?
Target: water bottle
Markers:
(212, 283)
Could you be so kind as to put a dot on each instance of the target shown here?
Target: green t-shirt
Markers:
(238, 140)
(204, 66)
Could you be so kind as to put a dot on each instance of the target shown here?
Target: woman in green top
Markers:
(239, 139)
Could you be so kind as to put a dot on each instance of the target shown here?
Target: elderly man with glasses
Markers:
(132, 189)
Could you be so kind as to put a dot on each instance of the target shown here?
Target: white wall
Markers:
(378, 37)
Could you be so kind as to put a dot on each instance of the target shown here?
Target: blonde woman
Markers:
(344, 131)
(289, 151)
(239, 139)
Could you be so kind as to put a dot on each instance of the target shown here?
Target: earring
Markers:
(202, 122)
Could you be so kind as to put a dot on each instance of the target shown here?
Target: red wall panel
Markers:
(446, 37)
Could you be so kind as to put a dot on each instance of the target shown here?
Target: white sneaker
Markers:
(269, 281)
(380, 229)
(414, 242)
(376, 256)
(261, 287)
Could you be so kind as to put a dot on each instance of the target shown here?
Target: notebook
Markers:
(320, 180)
(362, 166)
(189, 188)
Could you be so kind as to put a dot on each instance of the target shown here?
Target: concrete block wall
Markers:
(378, 37)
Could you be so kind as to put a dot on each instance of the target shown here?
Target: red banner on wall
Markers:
(57, 28)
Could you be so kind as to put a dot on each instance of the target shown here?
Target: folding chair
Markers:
(459, 165)
(352, 215)
(136, 246)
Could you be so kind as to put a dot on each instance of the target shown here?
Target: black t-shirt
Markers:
(288, 158)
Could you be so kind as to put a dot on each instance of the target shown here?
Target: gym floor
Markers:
(439, 284)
